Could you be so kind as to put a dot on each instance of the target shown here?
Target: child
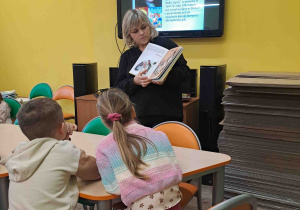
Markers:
(4, 112)
(43, 170)
(134, 161)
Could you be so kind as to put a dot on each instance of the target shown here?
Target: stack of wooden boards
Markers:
(261, 133)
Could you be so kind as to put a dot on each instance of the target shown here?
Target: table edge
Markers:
(4, 175)
(98, 198)
(207, 168)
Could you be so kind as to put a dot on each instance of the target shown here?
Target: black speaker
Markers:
(211, 111)
(85, 80)
(193, 82)
(113, 73)
(190, 86)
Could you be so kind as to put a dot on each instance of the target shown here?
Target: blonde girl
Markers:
(134, 161)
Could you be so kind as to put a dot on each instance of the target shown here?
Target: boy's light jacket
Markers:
(41, 175)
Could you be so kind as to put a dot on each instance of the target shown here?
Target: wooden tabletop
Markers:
(191, 161)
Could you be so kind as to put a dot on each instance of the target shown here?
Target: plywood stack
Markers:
(261, 133)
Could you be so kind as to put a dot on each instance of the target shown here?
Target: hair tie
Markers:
(114, 117)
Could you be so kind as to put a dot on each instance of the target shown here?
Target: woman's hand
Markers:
(141, 79)
(158, 83)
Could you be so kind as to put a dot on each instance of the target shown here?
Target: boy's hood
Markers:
(27, 157)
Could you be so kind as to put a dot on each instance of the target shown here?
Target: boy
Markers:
(43, 170)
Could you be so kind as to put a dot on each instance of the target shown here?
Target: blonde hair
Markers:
(132, 147)
(132, 18)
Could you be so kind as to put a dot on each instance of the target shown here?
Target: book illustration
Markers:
(144, 65)
(155, 16)
(149, 59)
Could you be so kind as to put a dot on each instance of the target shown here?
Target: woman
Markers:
(155, 102)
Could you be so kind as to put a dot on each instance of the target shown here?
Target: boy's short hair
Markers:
(40, 118)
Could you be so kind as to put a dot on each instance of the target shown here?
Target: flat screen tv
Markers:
(179, 18)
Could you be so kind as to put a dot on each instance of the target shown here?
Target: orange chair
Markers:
(240, 202)
(181, 135)
(65, 92)
(188, 191)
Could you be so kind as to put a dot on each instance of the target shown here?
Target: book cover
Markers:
(155, 16)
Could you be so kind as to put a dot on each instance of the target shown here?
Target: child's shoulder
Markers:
(106, 141)
(135, 127)
(144, 131)
(66, 150)
(64, 147)
(66, 144)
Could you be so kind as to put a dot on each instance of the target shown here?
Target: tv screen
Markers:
(179, 18)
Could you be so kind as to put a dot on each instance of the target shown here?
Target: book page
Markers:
(149, 59)
(166, 62)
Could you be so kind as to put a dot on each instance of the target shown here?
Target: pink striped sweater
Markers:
(163, 169)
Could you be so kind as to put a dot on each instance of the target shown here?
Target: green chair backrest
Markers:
(96, 126)
(14, 106)
(41, 89)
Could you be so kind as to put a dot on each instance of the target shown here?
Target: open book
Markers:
(157, 60)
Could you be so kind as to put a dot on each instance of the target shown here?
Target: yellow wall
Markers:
(40, 39)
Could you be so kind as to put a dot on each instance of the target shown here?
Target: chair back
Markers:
(179, 134)
(64, 92)
(14, 106)
(240, 202)
(96, 126)
(41, 89)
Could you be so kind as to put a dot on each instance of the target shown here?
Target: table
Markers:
(194, 164)
(86, 110)
(22, 100)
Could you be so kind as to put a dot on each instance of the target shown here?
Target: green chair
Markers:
(240, 202)
(41, 89)
(96, 126)
(14, 106)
